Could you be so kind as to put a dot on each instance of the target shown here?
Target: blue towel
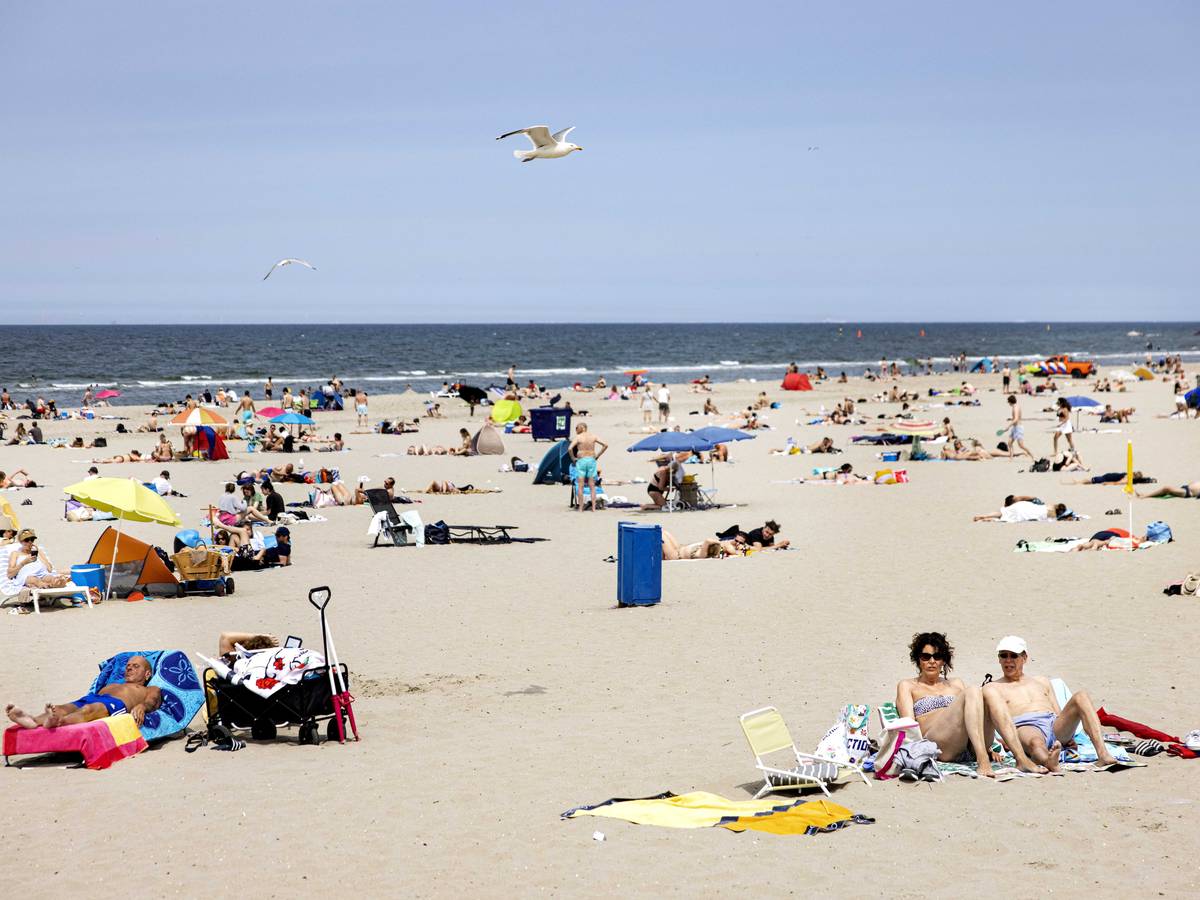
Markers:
(182, 694)
(1085, 751)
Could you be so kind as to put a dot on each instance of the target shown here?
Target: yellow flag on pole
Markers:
(1128, 467)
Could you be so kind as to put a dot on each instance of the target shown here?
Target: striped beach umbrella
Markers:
(199, 416)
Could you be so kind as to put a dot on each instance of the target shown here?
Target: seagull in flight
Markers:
(545, 144)
(288, 262)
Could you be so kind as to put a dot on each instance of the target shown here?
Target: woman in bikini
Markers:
(950, 713)
(132, 456)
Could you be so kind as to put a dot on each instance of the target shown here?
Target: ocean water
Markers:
(151, 363)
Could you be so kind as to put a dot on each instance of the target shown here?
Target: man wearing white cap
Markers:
(1028, 717)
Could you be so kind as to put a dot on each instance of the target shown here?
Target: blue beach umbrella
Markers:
(719, 435)
(294, 418)
(672, 442)
(1077, 403)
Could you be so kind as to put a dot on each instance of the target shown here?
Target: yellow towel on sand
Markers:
(700, 809)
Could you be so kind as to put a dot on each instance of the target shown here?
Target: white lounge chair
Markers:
(768, 734)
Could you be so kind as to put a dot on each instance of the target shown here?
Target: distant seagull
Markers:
(810, 149)
(545, 144)
(288, 262)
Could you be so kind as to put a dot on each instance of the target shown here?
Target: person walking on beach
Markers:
(1005, 378)
(360, 407)
(1016, 431)
(585, 449)
(664, 402)
(647, 406)
(268, 388)
(1064, 428)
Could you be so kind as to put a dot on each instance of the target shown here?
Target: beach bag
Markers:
(322, 499)
(437, 533)
(886, 761)
(847, 740)
(519, 465)
(100, 442)
(1159, 532)
(1042, 465)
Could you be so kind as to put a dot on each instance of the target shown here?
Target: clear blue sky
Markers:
(976, 161)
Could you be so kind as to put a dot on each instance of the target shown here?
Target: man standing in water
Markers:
(583, 450)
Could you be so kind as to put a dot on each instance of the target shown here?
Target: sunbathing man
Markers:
(132, 696)
(1116, 415)
(764, 538)
(1184, 490)
(585, 449)
(1027, 715)
(1100, 540)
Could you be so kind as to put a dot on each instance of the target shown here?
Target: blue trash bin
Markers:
(639, 564)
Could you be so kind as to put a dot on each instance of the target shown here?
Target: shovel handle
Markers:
(320, 597)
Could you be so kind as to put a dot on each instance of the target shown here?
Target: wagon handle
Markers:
(320, 597)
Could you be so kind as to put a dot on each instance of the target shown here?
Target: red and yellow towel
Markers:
(101, 743)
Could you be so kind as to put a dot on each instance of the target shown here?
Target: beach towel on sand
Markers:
(700, 809)
(101, 743)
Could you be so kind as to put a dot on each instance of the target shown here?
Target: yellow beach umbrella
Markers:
(125, 498)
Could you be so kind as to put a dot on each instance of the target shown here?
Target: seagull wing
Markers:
(539, 135)
(288, 262)
(560, 136)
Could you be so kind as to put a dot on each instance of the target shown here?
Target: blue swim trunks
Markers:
(114, 705)
(585, 467)
(1043, 722)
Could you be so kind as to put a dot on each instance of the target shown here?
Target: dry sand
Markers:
(498, 686)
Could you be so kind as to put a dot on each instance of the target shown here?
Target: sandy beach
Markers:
(498, 686)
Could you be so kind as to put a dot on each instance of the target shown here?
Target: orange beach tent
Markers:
(138, 565)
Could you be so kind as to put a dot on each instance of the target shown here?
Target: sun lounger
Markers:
(487, 534)
(768, 734)
(391, 527)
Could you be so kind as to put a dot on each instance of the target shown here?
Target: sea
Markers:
(156, 363)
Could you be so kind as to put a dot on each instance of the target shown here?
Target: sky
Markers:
(1017, 161)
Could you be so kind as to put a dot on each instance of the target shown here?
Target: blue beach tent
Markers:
(555, 466)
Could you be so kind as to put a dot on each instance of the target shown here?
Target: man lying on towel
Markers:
(1028, 717)
(132, 696)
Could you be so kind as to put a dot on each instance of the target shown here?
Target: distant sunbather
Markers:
(132, 696)
(1116, 415)
(1113, 478)
(709, 548)
(1101, 539)
(1026, 509)
(16, 478)
(132, 456)
(1184, 490)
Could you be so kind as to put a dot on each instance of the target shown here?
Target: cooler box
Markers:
(88, 576)
(639, 564)
(550, 424)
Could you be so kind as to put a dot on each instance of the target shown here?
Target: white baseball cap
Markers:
(1012, 644)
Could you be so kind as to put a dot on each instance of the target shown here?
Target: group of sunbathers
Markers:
(731, 542)
(961, 719)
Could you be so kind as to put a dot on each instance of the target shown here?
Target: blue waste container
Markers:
(548, 423)
(639, 564)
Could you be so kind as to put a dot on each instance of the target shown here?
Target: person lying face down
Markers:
(132, 696)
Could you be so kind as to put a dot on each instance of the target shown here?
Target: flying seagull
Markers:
(545, 144)
(288, 262)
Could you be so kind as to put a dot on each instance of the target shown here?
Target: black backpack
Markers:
(437, 533)
(1042, 465)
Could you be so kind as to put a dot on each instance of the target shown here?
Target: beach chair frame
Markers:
(767, 733)
(394, 528)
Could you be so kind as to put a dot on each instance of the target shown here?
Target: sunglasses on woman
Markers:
(930, 657)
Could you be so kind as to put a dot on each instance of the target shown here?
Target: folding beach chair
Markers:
(768, 734)
(587, 493)
(393, 527)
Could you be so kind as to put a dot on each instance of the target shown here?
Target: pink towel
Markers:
(101, 743)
